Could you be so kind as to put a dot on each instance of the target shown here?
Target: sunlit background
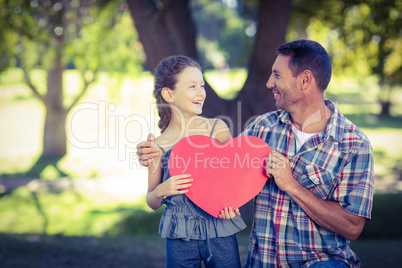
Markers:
(97, 187)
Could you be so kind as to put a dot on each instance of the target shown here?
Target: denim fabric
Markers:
(330, 264)
(225, 253)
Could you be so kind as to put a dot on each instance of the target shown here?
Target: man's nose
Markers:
(270, 83)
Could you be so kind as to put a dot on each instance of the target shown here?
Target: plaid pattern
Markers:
(335, 165)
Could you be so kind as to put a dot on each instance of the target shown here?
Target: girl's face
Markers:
(189, 93)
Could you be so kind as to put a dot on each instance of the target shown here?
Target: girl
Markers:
(192, 235)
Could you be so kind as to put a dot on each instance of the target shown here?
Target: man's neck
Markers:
(311, 120)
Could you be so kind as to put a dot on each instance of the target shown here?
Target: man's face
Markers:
(283, 85)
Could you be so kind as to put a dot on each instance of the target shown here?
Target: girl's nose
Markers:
(200, 90)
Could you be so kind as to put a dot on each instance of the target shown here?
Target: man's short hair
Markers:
(308, 55)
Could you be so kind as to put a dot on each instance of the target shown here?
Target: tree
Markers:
(49, 35)
(166, 28)
(366, 38)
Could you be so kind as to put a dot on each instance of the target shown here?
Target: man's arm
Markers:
(327, 214)
(147, 150)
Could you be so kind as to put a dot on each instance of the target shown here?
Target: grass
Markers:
(57, 208)
(141, 251)
(63, 251)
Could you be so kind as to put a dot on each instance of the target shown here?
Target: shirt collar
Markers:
(336, 123)
(334, 127)
(284, 117)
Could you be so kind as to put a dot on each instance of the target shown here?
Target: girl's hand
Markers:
(228, 213)
(174, 185)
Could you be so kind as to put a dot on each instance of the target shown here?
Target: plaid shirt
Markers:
(335, 165)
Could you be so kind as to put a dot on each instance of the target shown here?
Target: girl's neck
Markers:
(182, 126)
(181, 122)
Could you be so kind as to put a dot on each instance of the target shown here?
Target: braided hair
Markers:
(166, 76)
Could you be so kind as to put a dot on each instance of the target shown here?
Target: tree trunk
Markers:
(54, 138)
(255, 98)
(385, 108)
(170, 30)
(164, 31)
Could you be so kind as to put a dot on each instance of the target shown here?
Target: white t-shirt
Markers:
(301, 137)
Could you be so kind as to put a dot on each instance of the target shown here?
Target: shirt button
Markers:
(317, 180)
(283, 214)
(292, 164)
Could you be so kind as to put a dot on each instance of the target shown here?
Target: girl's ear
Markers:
(167, 94)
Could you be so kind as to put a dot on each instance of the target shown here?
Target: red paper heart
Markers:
(225, 175)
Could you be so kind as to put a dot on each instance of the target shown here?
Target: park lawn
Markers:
(33, 250)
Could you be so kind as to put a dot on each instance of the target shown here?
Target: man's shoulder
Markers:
(268, 119)
(353, 135)
(263, 123)
(344, 130)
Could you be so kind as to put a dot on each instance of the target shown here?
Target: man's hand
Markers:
(277, 166)
(147, 150)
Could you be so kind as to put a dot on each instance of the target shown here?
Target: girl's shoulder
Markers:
(208, 124)
(164, 143)
(212, 127)
(219, 130)
(215, 128)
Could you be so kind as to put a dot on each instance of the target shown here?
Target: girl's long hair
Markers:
(166, 76)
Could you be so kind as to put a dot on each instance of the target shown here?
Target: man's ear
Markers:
(306, 79)
(167, 94)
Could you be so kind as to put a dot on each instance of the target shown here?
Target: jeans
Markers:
(224, 250)
(330, 264)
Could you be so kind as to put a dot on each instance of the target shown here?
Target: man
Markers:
(320, 187)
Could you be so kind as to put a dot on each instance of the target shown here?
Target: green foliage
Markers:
(362, 37)
(12, 77)
(107, 41)
(222, 39)
(91, 34)
(370, 32)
